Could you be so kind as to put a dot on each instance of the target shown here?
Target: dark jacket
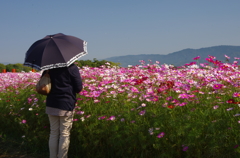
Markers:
(66, 82)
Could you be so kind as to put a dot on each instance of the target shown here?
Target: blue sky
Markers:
(119, 27)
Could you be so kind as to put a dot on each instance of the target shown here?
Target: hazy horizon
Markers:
(5, 63)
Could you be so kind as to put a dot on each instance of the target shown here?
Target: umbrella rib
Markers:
(59, 50)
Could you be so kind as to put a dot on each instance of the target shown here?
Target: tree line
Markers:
(95, 63)
(20, 67)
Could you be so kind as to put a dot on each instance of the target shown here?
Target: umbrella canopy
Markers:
(54, 51)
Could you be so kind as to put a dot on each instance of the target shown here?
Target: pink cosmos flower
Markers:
(218, 86)
(111, 118)
(236, 94)
(165, 105)
(155, 99)
(150, 91)
(174, 101)
(186, 96)
(189, 64)
(142, 112)
(80, 112)
(160, 135)
(212, 57)
(192, 63)
(169, 98)
(102, 117)
(209, 59)
(96, 101)
(113, 92)
(87, 116)
(229, 109)
(134, 90)
(236, 146)
(185, 148)
(24, 121)
(227, 57)
(96, 93)
(183, 96)
(196, 58)
(29, 100)
(183, 104)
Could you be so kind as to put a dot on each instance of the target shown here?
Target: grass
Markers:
(13, 149)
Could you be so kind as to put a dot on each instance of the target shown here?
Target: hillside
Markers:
(180, 57)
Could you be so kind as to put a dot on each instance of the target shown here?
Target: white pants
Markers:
(59, 140)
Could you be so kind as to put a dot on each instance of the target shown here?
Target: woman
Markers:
(66, 82)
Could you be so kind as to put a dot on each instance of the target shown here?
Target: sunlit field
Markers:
(150, 110)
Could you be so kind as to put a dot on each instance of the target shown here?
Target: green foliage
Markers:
(16, 107)
(19, 67)
(95, 63)
(205, 131)
(2, 66)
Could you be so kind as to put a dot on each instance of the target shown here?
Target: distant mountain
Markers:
(182, 57)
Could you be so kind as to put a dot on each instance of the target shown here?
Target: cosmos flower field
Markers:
(147, 110)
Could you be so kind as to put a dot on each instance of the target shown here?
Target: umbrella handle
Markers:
(33, 63)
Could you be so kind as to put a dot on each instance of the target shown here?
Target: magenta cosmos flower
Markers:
(185, 148)
(218, 86)
(236, 94)
(160, 135)
(142, 112)
(196, 58)
(111, 118)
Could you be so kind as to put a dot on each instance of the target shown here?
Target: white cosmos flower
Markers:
(143, 104)
(82, 118)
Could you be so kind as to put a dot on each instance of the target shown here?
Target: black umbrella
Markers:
(54, 51)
